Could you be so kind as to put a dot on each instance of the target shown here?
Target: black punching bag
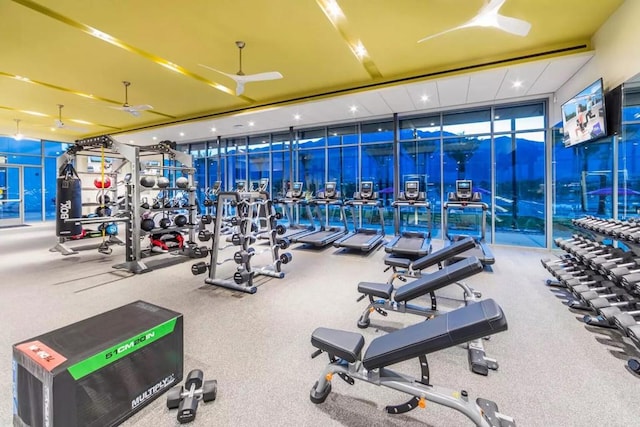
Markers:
(68, 202)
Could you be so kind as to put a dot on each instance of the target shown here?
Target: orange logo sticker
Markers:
(42, 355)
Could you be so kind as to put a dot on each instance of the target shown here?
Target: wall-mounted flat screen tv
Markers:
(584, 116)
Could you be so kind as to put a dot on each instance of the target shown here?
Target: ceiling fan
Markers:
(61, 125)
(488, 16)
(241, 78)
(134, 110)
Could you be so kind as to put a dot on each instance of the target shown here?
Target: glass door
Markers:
(11, 200)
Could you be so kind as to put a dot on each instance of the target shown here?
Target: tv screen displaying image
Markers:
(584, 115)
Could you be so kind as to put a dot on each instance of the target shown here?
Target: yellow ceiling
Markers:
(63, 48)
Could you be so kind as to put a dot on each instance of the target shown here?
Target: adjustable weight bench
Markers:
(382, 299)
(456, 327)
(407, 267)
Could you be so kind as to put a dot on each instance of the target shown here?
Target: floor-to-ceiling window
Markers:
(259, 163)
(280, 164)
(519, 140)
(629, 152)
(236, 155)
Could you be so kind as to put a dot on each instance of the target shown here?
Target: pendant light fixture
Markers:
(18, 136)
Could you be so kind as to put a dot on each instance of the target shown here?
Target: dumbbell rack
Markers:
(243, 210)
(604, 267)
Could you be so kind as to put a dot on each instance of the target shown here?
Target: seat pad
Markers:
(342, 344)
(395, 261)
(459, 326)
(439, 279)
(382, 290)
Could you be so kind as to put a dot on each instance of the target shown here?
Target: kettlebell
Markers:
(165, 223)
(156, 204)
(168, 203)
(145, 204)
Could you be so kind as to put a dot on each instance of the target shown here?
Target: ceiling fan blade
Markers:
(491, 7)
(232, 76)
(443, 32)
(270, 75)
(513, 25)
(239, 87)
(134, 113)
(143, 107)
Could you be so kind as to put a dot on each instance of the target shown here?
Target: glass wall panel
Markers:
(54, 149)
(420, 127)
(280, 166)
(582, 181)
(236, 169)
(259, 165)
(469, 158)
(311, 138)
(377, 166)
(22, 160)
(24, 146)
(198, 150)
(33, 193)
(518, 118)
(343, 135)
(50, 175)
(420, 161)
(343, 169)
(520, 195)
(280, 141)
(311, 169)
(377, 132)
(628, 152)
(200, 177)
(467, 123)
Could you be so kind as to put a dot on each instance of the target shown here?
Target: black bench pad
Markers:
(382, 290)
(395, 261)
(439, 279)
(343, 344)
(459, 326)
(445, 253)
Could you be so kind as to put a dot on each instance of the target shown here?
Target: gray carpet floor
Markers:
(554, 371)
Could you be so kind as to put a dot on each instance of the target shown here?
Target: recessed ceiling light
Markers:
(359, 50)
(379, 129)
(131, 141)
(296, 116)
(53, 129)
(353, 108)
(213, 129)
(424, 98)
(251, 123)
(496, 117)
(181, 133)
(335, 134)
(154, 138)
(432, 124)
(517, 84)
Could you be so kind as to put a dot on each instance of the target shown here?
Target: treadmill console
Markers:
(241, 186)
(411, 190)
(366, 190)
(463, 189)
(296, 190)
(330, 190)
(216, 187)
(264, 184)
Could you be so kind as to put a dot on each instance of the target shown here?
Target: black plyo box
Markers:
(99, 371)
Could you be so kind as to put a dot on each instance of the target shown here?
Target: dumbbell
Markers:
(277, 215)
(285, 258)
(242, 257)
(583, 300)
(208, 202)
(200, 251)
(242, 276)
(199, 268)
(239, 240)
(187, 401)
(204, 235)
(206, 219)
(280, 229)
(283, 243)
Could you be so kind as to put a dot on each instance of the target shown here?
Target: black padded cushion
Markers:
(439, 279)
(460, 326)
(445, 253)
(382, 290)
(395, 261)
(342, 344)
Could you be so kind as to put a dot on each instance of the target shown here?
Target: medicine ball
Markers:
(147, 224)
(147, 181)
(163, 182)
(182, 182)
(165, 222)
(99, 183)
(111, 229)
(180, 220)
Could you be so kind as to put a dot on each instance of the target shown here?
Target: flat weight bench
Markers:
(456, 327)
(382, 299)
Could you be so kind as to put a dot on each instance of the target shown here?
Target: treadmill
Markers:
(292, 199)
(364, 239)
(465, 202)
(410, 244)
(327, 233)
